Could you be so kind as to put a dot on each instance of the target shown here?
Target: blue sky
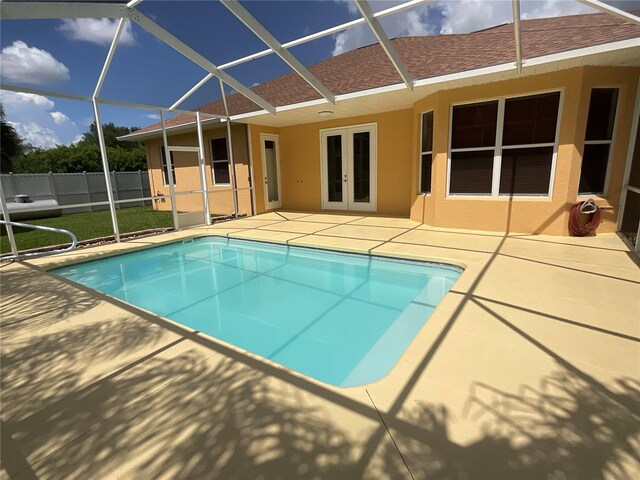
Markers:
(67, 55)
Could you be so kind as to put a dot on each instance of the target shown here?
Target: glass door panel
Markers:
(334, 168)
(271, 170)
(361, 167)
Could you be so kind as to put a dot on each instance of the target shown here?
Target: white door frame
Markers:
(324, 134)
(348, 202)
(275, 138)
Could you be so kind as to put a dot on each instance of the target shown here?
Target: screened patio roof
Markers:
(308, 90)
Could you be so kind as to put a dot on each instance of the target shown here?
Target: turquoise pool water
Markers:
(341, 318)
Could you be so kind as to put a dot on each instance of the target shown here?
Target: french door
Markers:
(349, 168)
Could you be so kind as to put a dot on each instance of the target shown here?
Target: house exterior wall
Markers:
(528, 214)
(398, 157)
(188, 175)
(300, 162)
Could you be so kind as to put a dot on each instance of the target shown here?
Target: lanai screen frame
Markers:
(16, 10)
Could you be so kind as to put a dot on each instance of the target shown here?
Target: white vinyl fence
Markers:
(78, 188)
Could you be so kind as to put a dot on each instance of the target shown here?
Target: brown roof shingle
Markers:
(428, 56)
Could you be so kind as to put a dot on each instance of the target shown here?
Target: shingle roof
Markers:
(428, 56)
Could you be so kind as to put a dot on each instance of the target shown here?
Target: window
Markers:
(504, 147)
(165, 168)
(598, 139)
(473, 140)
(426, 152)
(220, 161)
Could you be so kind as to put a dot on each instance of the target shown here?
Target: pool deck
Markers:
(528, 369)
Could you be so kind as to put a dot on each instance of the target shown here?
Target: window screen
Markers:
(531, 120)
(220, 161)
(523, 157)
(471, 172)
(426, 155)
(474, 125)
(598, 140)
(594, 168)
(526, 171)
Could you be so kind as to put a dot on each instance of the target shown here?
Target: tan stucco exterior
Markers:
(300, 162)
(527, 214)
(398, 144)
(188, 175)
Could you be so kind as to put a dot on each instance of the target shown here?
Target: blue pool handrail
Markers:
(21, 256)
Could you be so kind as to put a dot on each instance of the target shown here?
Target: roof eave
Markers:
(433, 81)
(157, 132)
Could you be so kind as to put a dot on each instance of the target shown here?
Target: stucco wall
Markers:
(300, 162)
(188, 175)
(528, 214)
(398, 158)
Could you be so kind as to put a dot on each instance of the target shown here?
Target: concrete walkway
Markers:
(529, 369)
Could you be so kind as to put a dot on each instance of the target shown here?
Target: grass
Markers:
(87, 225)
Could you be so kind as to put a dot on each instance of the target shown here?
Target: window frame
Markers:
(607, 176)
(163, 167)
(498, 148)
(228, 161)
(421, 153)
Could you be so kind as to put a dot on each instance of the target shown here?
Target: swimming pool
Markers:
(344, 319)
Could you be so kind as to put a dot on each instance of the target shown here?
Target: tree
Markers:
(111, 133)
(11, 145)
(84, 155)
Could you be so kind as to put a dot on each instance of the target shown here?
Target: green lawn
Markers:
(87, 225)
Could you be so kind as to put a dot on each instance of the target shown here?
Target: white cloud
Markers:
(37, 135)
(415, 27)
(11, 99)
(35, 119)
(153, 116)
(59, 118)
(351, 6)
(24, 64)
(454, 16)
(554, 8)
(463, 16)
(96, 30)
(353, 38)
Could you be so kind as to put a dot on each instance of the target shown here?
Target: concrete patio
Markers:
(528, 369)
